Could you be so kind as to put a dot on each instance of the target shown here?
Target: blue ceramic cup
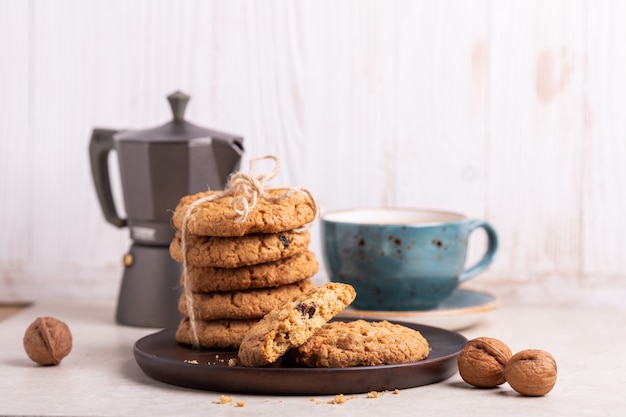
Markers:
(401, 259)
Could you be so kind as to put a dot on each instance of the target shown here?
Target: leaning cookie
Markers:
(361, 343)
(249, 304)
(291, 324)
(233, 252)
(271, 274)
(214, 334)
(217, 217)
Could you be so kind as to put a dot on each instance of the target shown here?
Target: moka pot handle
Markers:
(99, 147)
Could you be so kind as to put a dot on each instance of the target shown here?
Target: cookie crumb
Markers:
(232, 362)
(241, 403)
(225, 399)
(372, 394)
(396, 391)
(191, 361)
(339, 399)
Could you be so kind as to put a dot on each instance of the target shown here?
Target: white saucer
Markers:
(462, 309)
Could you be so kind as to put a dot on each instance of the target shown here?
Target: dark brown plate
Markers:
(165, 360)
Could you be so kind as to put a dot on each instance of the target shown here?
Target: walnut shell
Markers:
(482, 360)
(47, 341)
(531, 372)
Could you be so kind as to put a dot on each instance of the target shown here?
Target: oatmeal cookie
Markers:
(271, 274)
(215, 334)
(234, 252)
(293, 323)
(362, 343)
(217, 217)
(249, 304)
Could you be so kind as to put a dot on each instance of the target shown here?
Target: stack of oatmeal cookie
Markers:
(238, 271)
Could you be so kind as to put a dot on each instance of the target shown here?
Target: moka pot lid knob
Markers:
(178, 102)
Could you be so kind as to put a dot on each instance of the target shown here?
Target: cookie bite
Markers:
(293, 323)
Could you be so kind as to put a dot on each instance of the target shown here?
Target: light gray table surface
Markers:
(101, 378)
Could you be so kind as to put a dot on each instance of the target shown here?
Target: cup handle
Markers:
(492, 247)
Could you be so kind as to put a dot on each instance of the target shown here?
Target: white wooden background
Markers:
(514, 111)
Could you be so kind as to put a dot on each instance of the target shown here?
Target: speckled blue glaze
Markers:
(401, 259)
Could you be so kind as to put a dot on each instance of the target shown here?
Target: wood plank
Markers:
(604, 195)
(536, 136)
(16, 145)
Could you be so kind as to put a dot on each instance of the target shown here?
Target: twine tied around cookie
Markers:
(246, 189)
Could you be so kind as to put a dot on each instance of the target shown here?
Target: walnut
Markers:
(482, 361)
(531, 372)
(47, 341)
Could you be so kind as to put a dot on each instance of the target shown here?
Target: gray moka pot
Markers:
(157, 167)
